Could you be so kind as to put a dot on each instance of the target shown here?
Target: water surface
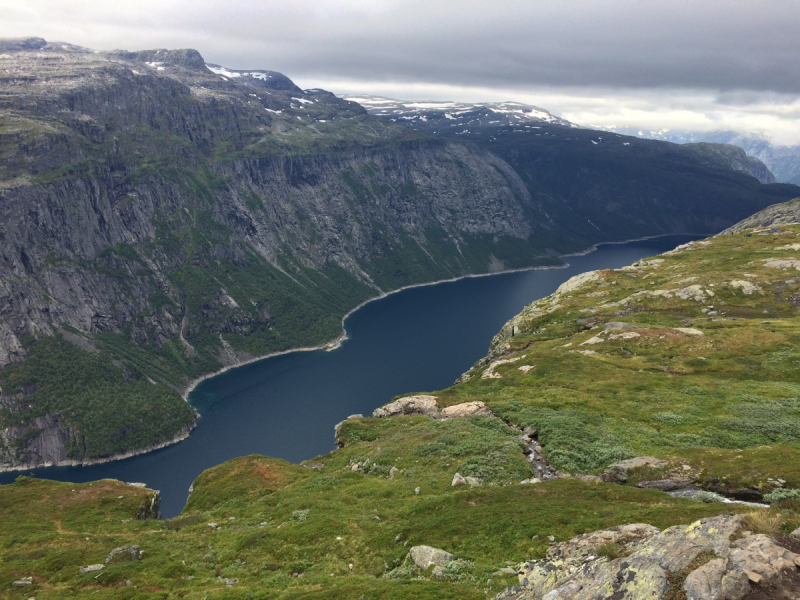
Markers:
(419, 339)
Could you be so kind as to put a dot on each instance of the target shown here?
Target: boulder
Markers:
(466, 409)
(759, 554)
(572, 571)
(618, 472)
(796, 532)
(410, 405)
(91, 569)
(705, 582)
(24, 582)
(458, 480)
(392, 472)
(124, 553)
(473, 481)
(425, 556)
(438, 572)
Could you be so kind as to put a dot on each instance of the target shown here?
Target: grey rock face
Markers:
(425, 556)
(283, 173)
(151, 509)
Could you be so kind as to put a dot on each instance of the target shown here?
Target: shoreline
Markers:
(337, 342)
(328, 346)
(179, 437)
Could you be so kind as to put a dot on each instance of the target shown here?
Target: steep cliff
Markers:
(162, 219)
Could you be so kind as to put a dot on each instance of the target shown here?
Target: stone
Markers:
(531, 431)
(618, 472)
(417, 490)
(410, 405)
(124, 553)
(531, 480)
(438, 572)
(91, 569)
(705, 582)
(24, 582)
(392, 472)
(466, 409)
(508, 571)
(760, 555)
(586, 544)
(425, 556)
(458, 480)
(666, 485)
(796, 532)
(473, 481)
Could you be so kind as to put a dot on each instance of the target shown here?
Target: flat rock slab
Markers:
(466, 409)
(91, 569)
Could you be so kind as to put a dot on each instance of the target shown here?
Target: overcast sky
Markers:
(681, 64)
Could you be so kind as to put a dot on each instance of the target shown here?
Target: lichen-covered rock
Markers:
(410, 405)
(705, 582)
(124, 553)
(151, 509)
(425, 556)
(572, 571)
(587, 544)
(466, 409)
(458, 479)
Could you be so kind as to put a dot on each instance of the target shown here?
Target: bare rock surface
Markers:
(618, 472)
(466, 409)
(410, 405)
(719, 569)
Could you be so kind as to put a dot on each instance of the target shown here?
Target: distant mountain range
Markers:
(783, 161)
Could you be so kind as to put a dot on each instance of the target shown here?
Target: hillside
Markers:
(161, 219)
(688, 358)
(596, 184)
(784, 213)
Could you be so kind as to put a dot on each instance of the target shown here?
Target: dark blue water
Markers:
(417, 340)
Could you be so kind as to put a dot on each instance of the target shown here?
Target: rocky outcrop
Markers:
(734, 157)
(777, 214)
(151, 508)
(410, 405)
(721, 556)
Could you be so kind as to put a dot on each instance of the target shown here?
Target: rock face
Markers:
(733, 156)
(573, 570)
(425, 556)
(111, 161)
(151, 509)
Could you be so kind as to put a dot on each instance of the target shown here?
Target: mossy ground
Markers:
(726, 402)
(719, 405)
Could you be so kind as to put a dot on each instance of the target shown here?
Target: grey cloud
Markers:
(711, 45)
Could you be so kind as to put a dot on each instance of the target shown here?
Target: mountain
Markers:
(161, 219)
(784, 213)
(782, 161)
(594, 184)
(597, 447)
(452, 116)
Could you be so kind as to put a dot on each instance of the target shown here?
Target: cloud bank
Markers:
(711, 64)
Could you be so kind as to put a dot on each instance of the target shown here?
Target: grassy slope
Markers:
(724, 403)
